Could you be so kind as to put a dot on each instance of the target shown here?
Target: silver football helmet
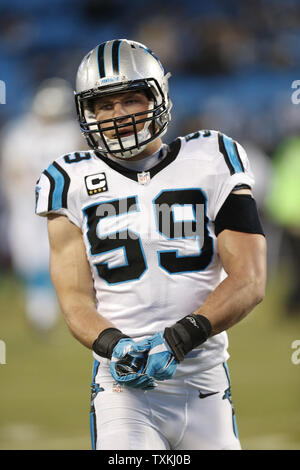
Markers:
(114, 67)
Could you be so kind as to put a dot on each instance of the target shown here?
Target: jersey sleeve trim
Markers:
(229, 150)
(59, 186)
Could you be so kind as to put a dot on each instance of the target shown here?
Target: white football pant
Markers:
(183, 413)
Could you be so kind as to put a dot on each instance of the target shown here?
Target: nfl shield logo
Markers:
(144, 177)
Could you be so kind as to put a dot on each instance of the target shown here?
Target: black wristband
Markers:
(106, 341)
(187, 334)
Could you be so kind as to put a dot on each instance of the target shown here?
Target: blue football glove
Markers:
(161, 363)
(127, 366)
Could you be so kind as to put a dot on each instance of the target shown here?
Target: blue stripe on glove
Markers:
(161, 363)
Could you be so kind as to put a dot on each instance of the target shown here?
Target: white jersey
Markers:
(149, 236)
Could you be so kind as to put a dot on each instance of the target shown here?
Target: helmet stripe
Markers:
(115, 54)
(101, 64)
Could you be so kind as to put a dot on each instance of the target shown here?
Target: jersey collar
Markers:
(173, 150)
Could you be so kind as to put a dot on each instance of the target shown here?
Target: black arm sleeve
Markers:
(239, 213)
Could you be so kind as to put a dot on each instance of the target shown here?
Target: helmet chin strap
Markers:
(129, 141)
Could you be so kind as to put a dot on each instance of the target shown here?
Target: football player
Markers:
(156, 250)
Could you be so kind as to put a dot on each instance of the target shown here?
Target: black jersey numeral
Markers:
(77, 157)
(135, 264)
(134, 260)
(195, 229)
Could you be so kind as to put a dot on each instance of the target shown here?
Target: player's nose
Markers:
(119, 109)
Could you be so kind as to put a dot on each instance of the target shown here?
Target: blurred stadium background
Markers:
(233, 65)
